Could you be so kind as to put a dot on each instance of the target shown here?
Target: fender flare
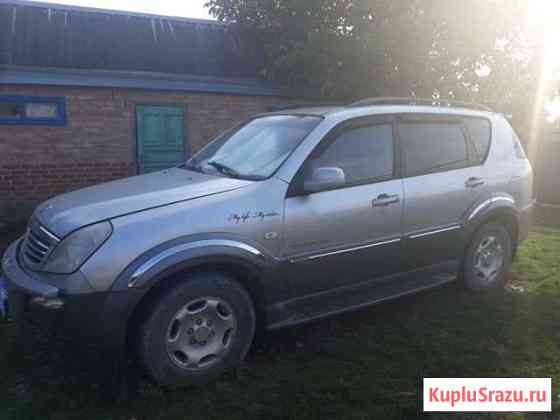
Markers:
(139, 278)
(182, 253)
(488, 208)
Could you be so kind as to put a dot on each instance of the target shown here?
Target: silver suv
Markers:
(291, 216)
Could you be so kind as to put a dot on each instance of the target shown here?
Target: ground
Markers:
(364, 365)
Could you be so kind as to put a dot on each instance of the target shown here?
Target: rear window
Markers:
(432, 147)
(480, 134)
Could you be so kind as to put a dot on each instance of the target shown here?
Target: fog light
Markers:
(49, 303)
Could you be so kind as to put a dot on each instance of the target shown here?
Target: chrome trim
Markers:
(435, 232)
(38, 244)
(487, 203)
(152, 262)
(50, 235)
(342, 251)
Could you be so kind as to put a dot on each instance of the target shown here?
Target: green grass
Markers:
(364, 365)
(537, 266)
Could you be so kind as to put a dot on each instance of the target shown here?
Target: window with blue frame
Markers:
(32, 110)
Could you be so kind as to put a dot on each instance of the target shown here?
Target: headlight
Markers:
(76, 248)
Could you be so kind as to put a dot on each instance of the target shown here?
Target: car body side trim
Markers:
(155, 260)
(297, 321)
(345, 250)
(435, 232)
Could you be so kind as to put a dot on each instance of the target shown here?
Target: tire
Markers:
(196, 330)
(488, 258)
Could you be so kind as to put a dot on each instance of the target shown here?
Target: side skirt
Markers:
(349, 298)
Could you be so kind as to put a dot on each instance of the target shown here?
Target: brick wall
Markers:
(99, 141)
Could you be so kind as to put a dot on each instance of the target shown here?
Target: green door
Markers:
(161, 140)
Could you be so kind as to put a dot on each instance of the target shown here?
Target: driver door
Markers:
(342, 236)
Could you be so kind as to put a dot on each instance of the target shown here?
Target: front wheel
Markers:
(488, 258)
(196, 330)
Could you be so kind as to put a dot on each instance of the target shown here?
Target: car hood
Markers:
(67, 212)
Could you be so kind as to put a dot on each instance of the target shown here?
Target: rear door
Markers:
(443, 179)
(160, 137)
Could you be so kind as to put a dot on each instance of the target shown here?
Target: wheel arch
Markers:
(500, 209)
(237, 259)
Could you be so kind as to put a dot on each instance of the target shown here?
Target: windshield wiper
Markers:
(224, 169)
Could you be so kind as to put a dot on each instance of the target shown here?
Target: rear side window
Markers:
(363, 153)
(432, 147)
(480, 134)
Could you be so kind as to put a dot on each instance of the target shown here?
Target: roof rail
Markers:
(419, 101)
(277, 108)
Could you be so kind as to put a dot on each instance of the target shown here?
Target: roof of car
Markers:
(317, 110)
(343, 112)
(388, 105)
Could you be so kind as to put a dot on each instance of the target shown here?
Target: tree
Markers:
(346, 49)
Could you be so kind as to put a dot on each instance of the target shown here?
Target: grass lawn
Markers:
(364, 365)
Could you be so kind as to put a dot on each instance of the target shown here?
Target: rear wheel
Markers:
(196, 330)
(488, 258)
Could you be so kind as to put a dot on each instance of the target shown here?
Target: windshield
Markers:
(256, 149)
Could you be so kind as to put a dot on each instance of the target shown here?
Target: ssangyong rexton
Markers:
(288, 217)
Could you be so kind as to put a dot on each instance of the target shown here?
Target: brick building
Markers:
(88, 95)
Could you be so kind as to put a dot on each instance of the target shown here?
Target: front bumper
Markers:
(93, 319)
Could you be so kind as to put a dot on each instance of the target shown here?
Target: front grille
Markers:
(37, 245)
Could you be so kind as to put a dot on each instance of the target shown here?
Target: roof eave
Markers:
(17, 75)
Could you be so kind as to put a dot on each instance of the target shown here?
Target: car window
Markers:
(364, 153)
(255, 149)
(432, 147)
(480, 133)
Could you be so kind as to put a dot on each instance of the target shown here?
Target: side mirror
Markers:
(324, 179)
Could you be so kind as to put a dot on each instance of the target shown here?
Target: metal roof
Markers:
(66, 7)
(47, 36)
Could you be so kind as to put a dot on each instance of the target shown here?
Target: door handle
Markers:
(385, 200)
(474, 182)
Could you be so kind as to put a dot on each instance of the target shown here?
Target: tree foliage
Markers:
(470, 50)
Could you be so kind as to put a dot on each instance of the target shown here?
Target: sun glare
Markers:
(552, 109)
(544, 21)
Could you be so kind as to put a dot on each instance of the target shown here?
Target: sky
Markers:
(183, 8)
